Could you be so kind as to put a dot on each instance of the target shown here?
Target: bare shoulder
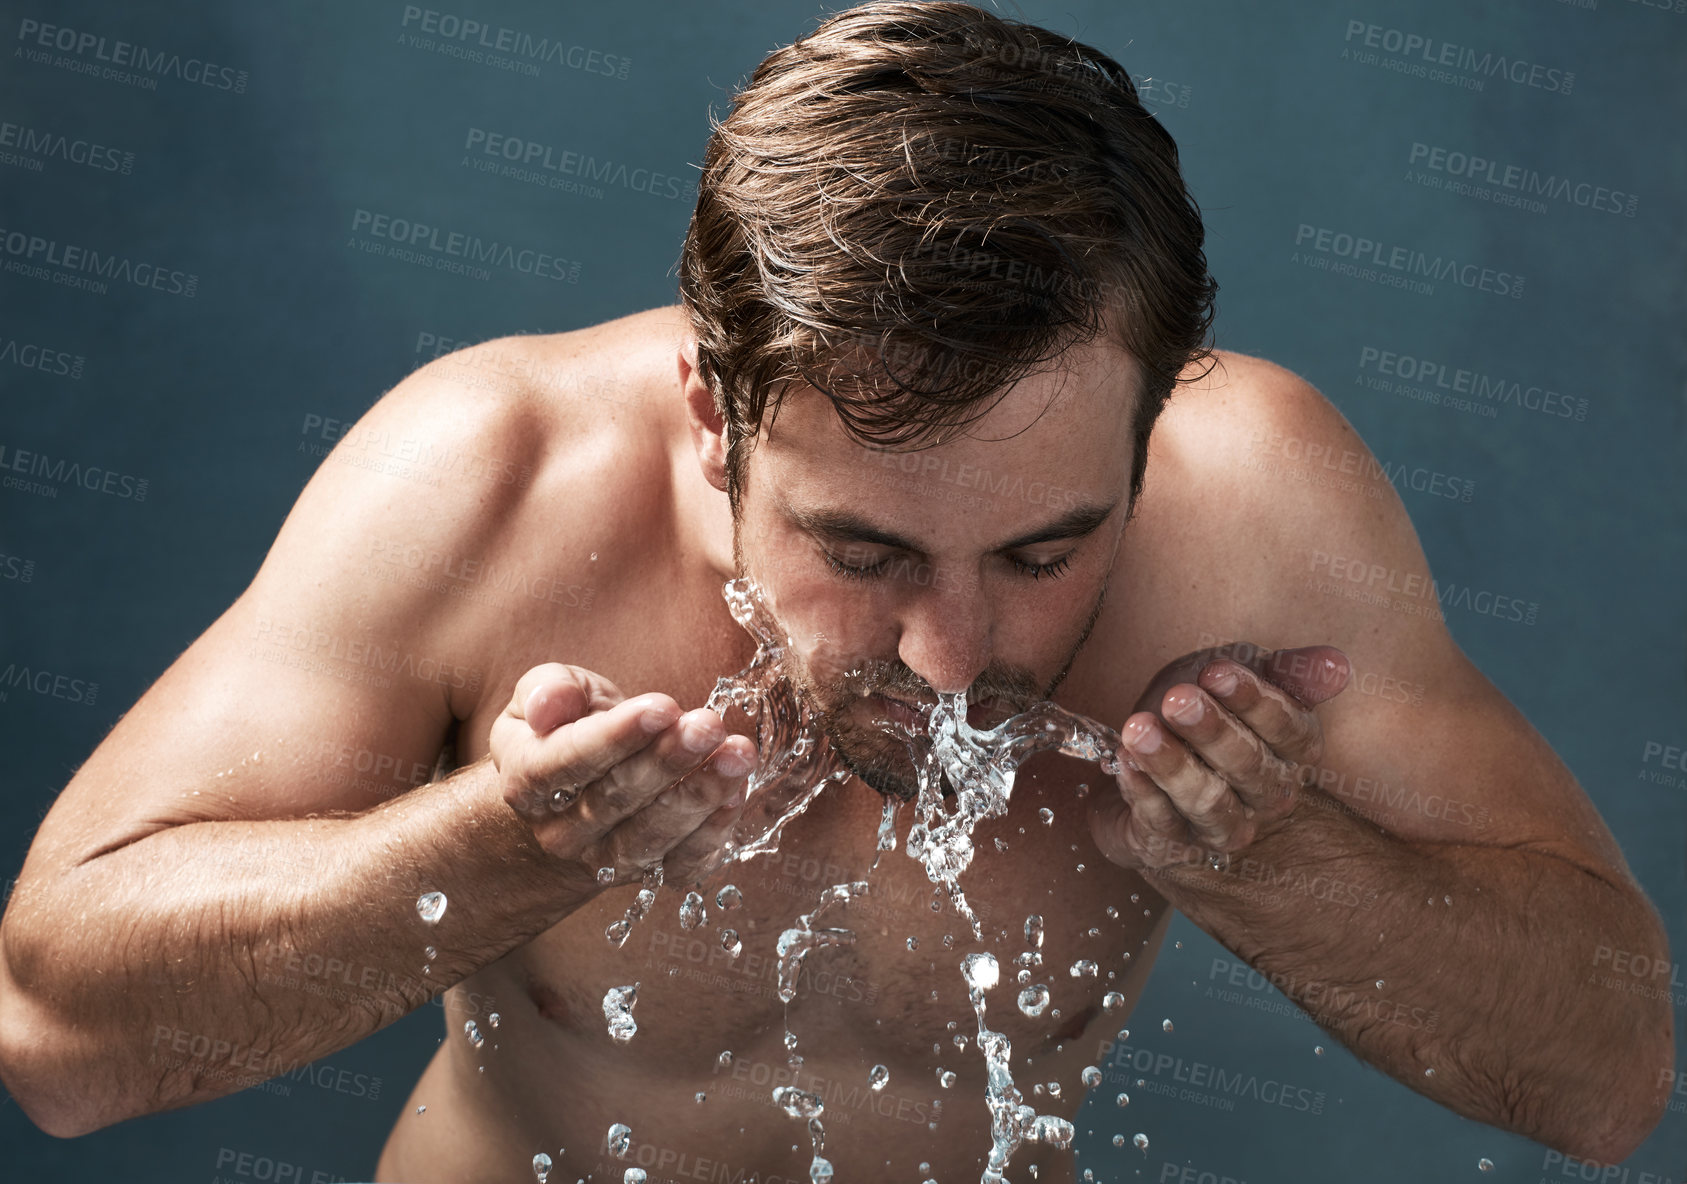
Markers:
(1271, 523)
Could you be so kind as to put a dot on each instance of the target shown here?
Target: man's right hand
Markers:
(607, 781)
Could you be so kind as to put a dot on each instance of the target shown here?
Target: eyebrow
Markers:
(1076, 523)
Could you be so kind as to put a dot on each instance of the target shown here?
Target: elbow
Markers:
(1613, 1125)
(35, 1067)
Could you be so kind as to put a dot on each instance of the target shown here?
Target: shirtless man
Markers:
(517, 555)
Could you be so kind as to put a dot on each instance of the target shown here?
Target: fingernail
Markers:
(731, 764)
(527, 703)
(697, 736)
(1223, 683)
(655, 719)
(1189, 712)
(1145, 737)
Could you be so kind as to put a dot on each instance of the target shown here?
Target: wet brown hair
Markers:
(920, 203)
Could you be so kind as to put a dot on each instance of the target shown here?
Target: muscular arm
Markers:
(212, 955)
(1444, 864)
(216, 898)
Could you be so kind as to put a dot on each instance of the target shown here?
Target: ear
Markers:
(708, 429)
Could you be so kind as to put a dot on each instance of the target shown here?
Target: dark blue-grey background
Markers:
(255, 193)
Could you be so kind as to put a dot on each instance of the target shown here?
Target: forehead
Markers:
(1075, 414)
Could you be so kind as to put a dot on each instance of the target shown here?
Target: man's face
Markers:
(978, 565)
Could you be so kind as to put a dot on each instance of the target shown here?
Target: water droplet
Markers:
(617, 932)
(542, 1167)
(472, 1031)
(959, 1041)
(1046, 815)
(1091, 1076)
(1430, 1072)
(421, 1109)
(618, 1004)
(1112, 1001)
(620, 1139)
(724, 1059)
(430, 906)
(1112, 913)
(699, 1096)
(798, 1103)
(1123, 1100)
(1093, 932)
(430, 953)
(913, 943)
(1447, 900)
(1033, 999)
(981, 972)
(1054, 1089)
(605, 875)
(729, 897)
(1379, 984)
(1000, 846)
(730, 943)
(1056, 1132)
(948, 941)
(633, 1176)
(1034, 930)
(1165, 1025)
(594, 556)
(1084, 968)
(820, 1171)
(691, 911)
(878, 1078)
(945, 1078)
(1118, 1140)
(1140, 1141)
(1484, 1164)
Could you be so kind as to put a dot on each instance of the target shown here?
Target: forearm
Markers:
(1459, 970)
(207, 957)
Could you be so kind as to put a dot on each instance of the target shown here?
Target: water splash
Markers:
(794, 758)
(472, 1031)
(979, 766)
(618, 1004)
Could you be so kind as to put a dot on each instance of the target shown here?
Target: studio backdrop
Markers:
(1465, 223)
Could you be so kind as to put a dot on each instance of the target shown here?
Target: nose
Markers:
(945, 637)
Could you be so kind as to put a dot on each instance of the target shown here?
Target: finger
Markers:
(1287, 726)
(1313, 674)
(1200, 796)
(700, 852)
(1232, 749)
(571, 758)
(677, 755)
(552, 694)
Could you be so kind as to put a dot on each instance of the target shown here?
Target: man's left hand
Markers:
(1216, 753)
